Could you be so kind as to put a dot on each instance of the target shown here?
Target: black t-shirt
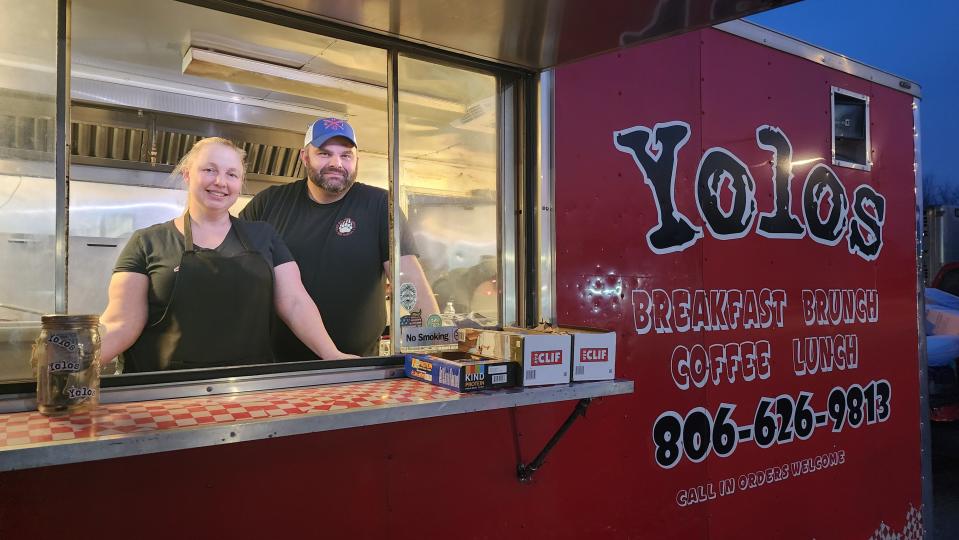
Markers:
(340, 248)
(156, 250)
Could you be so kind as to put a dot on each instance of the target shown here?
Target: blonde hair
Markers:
(187, 160)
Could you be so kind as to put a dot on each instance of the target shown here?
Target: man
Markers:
(338, 232)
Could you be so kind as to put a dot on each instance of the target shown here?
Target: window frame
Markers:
(508, 174)
(835, 90)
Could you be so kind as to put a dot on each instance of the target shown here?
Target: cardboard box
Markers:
(594, 354)
(463, 374)
(542, 358)
(593, 351)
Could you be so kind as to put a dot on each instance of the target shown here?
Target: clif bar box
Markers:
(542, 358)
(461, 374)
(593, 352)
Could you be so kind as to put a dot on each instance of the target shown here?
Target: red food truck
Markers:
(739, 207)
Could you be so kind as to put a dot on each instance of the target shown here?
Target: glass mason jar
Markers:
(66, 361)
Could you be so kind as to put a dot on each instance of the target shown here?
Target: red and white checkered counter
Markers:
(29, 439)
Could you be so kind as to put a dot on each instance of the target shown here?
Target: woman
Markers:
(198, 291)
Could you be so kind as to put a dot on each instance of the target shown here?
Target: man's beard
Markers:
(333, 187)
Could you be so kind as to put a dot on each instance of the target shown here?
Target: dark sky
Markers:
(917, 40)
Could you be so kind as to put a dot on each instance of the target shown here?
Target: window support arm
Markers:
(524, 472)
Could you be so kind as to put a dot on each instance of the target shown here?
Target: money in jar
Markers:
(66, 360)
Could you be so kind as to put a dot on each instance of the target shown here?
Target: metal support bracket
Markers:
(524, 472)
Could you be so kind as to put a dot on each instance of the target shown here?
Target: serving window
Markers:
(149, 79)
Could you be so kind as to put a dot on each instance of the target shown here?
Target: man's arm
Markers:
(412, 272)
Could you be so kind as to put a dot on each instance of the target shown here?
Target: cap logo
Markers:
(332, 123)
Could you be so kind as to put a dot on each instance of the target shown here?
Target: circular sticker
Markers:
(434, 321)
(407, 294)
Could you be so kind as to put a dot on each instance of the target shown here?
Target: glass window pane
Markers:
(850, 128)
(28, 54)
(188, 72)
(448, 193)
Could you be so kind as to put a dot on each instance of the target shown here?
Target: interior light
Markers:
(238, 70)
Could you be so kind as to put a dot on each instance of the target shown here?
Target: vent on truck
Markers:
(138, 139)
(27, 127)
(135, 139)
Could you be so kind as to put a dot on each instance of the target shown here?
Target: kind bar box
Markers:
(542, 358)
(594, 352)
(462, 374)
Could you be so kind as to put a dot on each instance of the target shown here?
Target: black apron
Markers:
(218, 315)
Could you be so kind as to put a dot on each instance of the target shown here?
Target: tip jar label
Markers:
(61, 366)
(80, 392)
(64, 341)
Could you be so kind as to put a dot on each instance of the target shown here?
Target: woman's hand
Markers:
(340, 355)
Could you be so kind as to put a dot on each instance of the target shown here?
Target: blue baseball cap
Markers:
(325, 129)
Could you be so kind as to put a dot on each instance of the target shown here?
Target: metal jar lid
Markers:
(69, 320)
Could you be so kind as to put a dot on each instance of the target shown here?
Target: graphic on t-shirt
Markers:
(345, 227)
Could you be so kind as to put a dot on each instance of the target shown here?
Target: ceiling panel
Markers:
(534, 34)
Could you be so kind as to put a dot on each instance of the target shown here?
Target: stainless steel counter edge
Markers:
(114, 446)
